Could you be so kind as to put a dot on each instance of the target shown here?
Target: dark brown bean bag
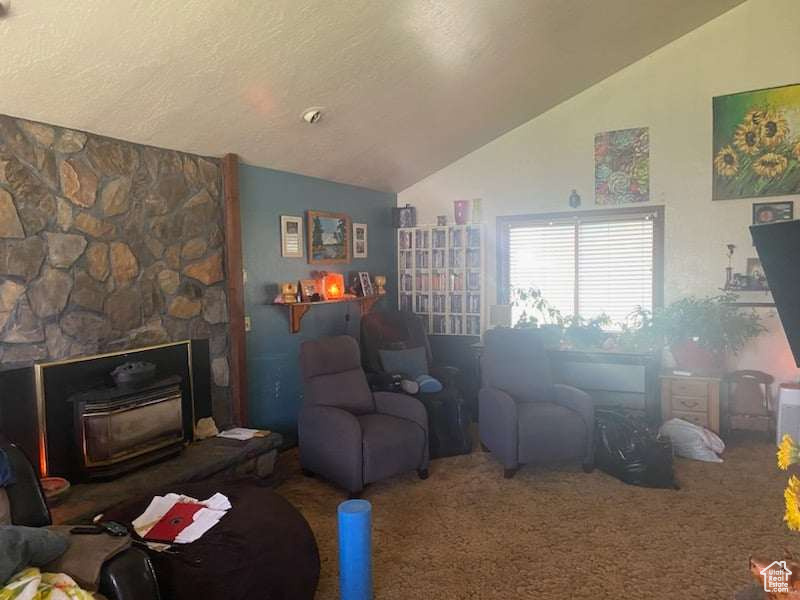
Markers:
(263, 548)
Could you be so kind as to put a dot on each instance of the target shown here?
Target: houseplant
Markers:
(538, 312)
(699, 331)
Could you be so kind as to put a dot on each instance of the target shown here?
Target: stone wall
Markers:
(107, 245)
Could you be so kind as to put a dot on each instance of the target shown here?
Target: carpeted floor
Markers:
(559, 533)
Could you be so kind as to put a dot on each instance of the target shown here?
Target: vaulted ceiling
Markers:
(408, 86)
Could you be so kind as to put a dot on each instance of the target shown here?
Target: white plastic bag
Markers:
(692, 441)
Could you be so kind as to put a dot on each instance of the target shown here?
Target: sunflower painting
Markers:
(757, 143)
(622, 166)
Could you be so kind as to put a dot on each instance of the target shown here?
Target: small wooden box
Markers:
(692, 398)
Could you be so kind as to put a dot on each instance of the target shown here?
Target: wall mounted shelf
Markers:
(297, 310)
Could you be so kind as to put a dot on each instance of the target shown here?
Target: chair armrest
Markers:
(405, 407)
(446, 375)
(330, 442)
(129, 576)
(582, 403)
(497, 424)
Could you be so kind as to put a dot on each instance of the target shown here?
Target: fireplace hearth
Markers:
(74, 421)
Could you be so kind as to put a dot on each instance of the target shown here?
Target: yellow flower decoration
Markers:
(746, 139)
(754, 117)
(796, 151)
(792, 495)
(788, 452)
(773, 129)
(726, 162)
(770, 165)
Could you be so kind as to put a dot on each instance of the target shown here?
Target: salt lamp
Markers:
(333, 286)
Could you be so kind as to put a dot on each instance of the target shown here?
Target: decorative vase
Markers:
(461, 210)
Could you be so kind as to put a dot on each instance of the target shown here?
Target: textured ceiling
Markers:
(409, 85)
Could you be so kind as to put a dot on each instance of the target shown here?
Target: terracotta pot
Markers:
(691, 356)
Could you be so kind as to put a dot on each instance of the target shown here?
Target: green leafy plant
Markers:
(587, 333)
(536, 310)
(713, 322)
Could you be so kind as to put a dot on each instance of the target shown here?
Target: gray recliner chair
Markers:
(523, 416)
(349, 435)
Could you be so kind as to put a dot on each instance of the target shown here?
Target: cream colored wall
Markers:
(534, 167)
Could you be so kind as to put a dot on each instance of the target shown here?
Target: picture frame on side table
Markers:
(328, 237)
(360, 240)
(291, 237)
(366, 283)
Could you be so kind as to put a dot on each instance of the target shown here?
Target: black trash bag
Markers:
(627, 449)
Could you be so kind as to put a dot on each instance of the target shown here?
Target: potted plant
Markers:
(699, 331)
(537, 312)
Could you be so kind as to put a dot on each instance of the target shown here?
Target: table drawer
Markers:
(682, 403)
(687, 387)
(693, 417)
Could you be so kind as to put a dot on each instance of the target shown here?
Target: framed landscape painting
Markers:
(757, 143)
(328, 237)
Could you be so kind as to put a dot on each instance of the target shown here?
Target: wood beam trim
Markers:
(235, 285)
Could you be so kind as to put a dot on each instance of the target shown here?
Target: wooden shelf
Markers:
(297, 310)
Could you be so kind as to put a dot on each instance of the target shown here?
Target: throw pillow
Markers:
(411, 362)
(428, 385)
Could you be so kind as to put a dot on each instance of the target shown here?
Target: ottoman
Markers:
(262, 548)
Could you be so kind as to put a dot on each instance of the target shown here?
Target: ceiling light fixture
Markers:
(312, 115)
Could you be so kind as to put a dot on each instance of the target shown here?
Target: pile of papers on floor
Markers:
(180, 519)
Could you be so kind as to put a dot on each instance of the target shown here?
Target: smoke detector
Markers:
(312, 115)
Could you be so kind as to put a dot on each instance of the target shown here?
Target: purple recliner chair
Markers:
(523, 416)
(349, 435)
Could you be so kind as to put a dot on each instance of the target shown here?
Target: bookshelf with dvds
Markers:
(440, 276)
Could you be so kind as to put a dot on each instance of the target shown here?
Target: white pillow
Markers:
(692, 441)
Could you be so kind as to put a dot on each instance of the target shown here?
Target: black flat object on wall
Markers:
(778, 246)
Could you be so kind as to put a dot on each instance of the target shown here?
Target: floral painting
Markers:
(622, 166)
(757, 143)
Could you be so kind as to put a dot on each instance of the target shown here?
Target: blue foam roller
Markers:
(355, 550)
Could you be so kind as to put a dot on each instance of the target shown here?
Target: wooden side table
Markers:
(692, 398)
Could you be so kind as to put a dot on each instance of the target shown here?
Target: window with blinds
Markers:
(587, 266)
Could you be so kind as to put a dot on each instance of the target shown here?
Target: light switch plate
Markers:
(247, 324)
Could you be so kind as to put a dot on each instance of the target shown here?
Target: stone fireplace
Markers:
(105, 246)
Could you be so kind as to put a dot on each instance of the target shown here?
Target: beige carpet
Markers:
(468, 533)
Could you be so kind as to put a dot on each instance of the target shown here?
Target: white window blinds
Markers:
(587, 267)
(615, 268)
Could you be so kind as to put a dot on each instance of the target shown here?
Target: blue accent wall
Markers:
(274, 388)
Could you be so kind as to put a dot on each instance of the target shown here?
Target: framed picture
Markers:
(308, 289)
(756, 135)
(291, 237)
(359, 240)
(366, 283)
(755, 275)
(328, 237)
(769, 212)
(622, 166)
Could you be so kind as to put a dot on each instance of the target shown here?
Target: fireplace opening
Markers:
(75, 421)
(123, 427)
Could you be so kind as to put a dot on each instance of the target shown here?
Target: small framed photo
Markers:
(755, 275)
(291, 237)
(359, 240)
(769, 212)
(309, 288)
(366, 283)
